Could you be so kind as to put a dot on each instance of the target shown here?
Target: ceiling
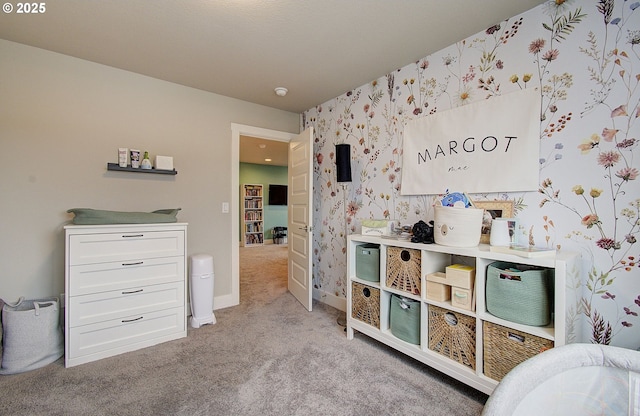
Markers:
(254, 150)
(244, 49)
(318, 49)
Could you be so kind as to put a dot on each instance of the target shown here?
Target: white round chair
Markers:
(575, 379)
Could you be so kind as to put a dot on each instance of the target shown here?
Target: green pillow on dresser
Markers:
(88, 216)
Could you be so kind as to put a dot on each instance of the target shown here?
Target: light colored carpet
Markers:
(267, 356)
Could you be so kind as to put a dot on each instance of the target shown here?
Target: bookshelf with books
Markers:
(252, 215)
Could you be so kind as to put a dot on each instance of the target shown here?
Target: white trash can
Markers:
(201, 290)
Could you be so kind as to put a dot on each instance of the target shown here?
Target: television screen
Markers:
(277, 194)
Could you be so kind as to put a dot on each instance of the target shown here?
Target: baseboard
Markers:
(225, 301)
(219, 302)
(330, 299)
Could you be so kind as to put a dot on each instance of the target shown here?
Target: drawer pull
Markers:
(133, 235)
(132, 264)
(132, 291)
(131, 320)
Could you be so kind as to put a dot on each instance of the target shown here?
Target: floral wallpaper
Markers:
(583, 56)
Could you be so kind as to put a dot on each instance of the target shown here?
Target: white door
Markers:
(300, 216)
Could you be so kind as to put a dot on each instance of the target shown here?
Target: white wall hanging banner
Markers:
(491, 145)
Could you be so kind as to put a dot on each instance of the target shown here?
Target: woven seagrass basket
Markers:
(453, 335)
(365, 304)
(403, 269)
(505, 348)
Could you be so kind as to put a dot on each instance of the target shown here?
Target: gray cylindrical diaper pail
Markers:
(201, 290)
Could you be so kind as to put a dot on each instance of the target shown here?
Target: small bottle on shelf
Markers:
(146, 163)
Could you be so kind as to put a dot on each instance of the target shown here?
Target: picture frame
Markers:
(493, 209)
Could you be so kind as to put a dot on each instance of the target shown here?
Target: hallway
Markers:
(263, 272)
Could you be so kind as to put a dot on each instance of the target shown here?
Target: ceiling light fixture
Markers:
(267, 160)
(281, 91)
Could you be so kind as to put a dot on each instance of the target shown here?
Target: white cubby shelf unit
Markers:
(435, 258)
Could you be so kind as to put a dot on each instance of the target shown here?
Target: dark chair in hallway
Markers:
(279, 235)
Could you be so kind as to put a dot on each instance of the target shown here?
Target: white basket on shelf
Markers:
(457, 227)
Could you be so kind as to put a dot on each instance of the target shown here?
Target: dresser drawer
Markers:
(126, 245)
(89, 309)
(105, 277)
(124, 333)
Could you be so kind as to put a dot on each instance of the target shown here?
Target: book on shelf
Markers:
(524, 251)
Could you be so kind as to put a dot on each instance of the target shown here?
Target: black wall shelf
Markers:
(115, 166)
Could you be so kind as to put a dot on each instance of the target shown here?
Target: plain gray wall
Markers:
(62, 119)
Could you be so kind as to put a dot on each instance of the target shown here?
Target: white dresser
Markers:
(125, 288)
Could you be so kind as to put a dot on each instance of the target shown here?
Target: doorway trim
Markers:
(238, 130)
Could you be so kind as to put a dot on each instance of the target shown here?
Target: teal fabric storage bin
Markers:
(368, 262)
(520, 293)
(405, 319)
